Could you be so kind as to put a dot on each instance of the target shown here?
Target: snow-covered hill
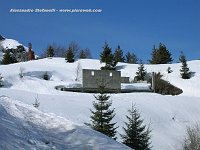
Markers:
(11, 44)
(168, 115)
(24, 127)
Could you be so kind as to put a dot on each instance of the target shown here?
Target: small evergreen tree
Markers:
(50, 51)
(106, 54)
(184, 71)
(118, 55)
(7, 58)
(136, 134)
(101, 119)
(154, 55)
(131, 58)
(141, 73)
(160, 55)
(164, 54)
(70, 55)
(107, 57)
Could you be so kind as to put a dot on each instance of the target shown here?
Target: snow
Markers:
(9, 43)
(168, 115)
(24, 127)
(136, 86)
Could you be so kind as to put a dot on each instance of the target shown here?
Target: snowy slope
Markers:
(24, 127)
(9, 43)
(158, 110)
(190, 87)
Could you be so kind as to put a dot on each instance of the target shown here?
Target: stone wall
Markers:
(125, 80)
(93, 79)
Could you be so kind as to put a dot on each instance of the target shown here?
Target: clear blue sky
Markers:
(135, 24)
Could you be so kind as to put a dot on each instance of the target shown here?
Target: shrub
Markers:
(46, 76)
(169, 70)
(21, 72)
(192, 140)
(165, 88)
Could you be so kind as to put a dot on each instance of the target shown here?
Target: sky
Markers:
(136, 25)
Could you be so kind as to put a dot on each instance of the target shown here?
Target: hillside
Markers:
(24, 127)
(158, 110)
(18, 51)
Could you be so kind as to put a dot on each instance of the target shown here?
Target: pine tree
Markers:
(165, 54)
(184, 71)
(118, 55)
(107, 57)
(154, 55)
(50, 51)
(7, 58)
(131, 58)
(101, 119)
(160, 55)
(136, 134)
(141, 73)
(70, 55)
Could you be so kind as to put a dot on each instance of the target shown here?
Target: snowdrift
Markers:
(24, 127)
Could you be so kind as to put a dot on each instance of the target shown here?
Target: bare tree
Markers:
(21, 72)
(59, 51)
(82, 54)
(78, 72)
(192, 140)
(43, 54)
(88, 53)
(75, 48)
(85, 54)
(36, 104)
